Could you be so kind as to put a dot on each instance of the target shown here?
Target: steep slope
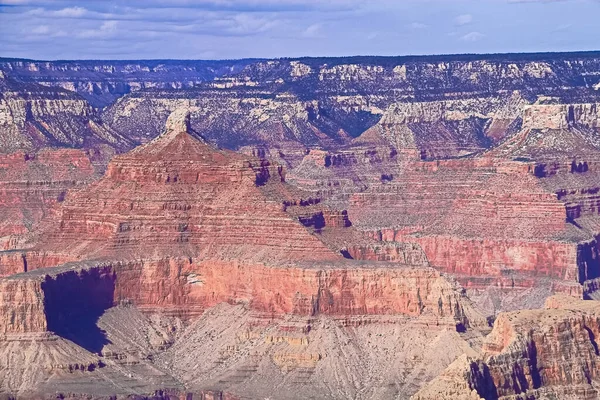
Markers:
(34, 116)
(535, 354)
(179, 196)
(452, 105)
(194, 236)
(51, 140)
(315, 330)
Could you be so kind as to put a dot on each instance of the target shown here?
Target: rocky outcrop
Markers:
(447, 128)
(402, 253)
(32, 184)
(36, 301)
(338, 289)
(57, 299)
(177, 195)
(474, 217)
(34, 116)
(536, 354)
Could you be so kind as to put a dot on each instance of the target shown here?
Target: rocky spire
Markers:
(178, 121)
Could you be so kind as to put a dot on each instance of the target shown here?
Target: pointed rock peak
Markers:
(178, 140)
(179, 121)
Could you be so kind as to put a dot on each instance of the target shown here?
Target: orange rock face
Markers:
(339, 289)
(183, 288)
(209, 227)
(478, 217)
(534, 354)
(179, 196)
(31, 185)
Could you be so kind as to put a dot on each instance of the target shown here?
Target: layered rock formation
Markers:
(32, 184)
(100, 83)
(179, 196)
(183, 228)
(34, 116)
(294, 319)
(534, 354)
(303, 261)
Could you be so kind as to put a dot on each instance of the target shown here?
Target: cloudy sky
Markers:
(209, 29)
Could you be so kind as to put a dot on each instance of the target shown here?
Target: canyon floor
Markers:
(364, 228)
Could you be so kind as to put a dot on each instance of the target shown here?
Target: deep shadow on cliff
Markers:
(73, 304)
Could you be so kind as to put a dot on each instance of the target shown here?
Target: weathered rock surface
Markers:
(301, 262)
(182, 228)
(34, 116)
(534, 354)
(273, 332)
(32, 184)
(177, 196)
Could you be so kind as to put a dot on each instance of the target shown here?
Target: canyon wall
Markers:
(34, 116)
(446, 105)
(44, 299)
(532, 354)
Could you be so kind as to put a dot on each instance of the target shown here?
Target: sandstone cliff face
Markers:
(450, 106)
(475, 217)
(21, 307)
(337, 289)
(536, 354)
(297, 321)
(33, 116)
(102, 81)
(32, 184)
(178, 196)
(32, 300)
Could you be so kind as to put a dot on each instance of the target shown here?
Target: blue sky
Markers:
(210, 29)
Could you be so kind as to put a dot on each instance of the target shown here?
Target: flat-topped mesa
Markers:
(178, 195)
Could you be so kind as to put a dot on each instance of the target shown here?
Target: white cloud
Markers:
(70, 12)
(41, 30)
(472, 36)
(107, 29)
(418, 25)
(249, 24)
(464, 19)
(313, 31)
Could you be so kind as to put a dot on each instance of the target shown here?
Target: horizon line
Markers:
(307, 57)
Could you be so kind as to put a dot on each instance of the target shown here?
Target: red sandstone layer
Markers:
(187, 288)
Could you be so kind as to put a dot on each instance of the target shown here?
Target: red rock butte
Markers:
(179, 196)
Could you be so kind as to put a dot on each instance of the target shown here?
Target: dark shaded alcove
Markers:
(317, 221)
(73, 303)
